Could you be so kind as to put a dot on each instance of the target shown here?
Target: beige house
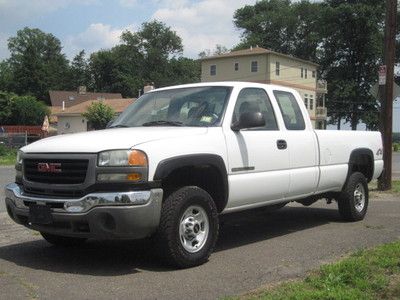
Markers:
(265, 66)
(70, 120)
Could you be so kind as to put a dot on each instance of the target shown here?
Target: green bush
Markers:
(98, 115)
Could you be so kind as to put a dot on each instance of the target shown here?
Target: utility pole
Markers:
(385, 181)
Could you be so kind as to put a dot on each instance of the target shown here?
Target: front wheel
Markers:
(188, 227)
(353, 200)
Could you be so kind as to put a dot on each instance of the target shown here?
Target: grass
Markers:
(373, 186)
(396, 186)
(367, 274)
(7, 155)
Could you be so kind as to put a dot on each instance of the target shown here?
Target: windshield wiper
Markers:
(163, 123)
(119, 126)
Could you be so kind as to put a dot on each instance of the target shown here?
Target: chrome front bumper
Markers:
(132, 214)
(84, 204)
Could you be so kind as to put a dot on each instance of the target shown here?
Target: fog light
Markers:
(74, 206)
(119, 177)
(134, 176)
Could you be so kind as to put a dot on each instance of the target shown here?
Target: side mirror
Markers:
(249, 120)
(110, 122)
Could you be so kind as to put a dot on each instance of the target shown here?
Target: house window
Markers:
(311, 102)
(236, 66)
(306, 100)
(313, 74)
(213, 70)
(277, 68)
(254, 66)
(301, 73)
(305, 73)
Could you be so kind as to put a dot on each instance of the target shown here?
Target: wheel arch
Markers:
(207, 171)
(361, 160)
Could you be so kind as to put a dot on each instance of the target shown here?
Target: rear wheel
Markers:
(188, 227)
(353, 200)
(62, 241)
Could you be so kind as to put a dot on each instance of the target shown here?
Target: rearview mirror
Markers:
(249, 120)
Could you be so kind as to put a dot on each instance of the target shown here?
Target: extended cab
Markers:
(178, 158)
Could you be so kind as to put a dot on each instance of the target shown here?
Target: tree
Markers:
(219, 49)
(5, 76)
(183, 70)
(36, 62)
(5, 107)
(350, 53)
(282, 26)
(26, 110)
(99, 115)
(79, 71)
(155, 44)
(148, 55)
(343, 36)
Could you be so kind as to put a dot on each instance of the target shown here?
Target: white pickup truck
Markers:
(179, 157)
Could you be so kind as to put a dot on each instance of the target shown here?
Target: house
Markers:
(70, 119)
(70, 98)
(261, 65)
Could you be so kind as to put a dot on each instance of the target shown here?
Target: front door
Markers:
(258, 159)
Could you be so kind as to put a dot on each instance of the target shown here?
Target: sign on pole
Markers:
(382, 75)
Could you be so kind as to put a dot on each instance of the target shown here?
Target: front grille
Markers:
(54, 193)
(72, 171)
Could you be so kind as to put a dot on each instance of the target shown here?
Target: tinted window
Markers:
(291, 112)
(255, 100)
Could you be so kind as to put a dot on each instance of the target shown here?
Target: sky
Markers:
(97, 24)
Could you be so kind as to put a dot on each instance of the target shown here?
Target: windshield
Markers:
(196, 106)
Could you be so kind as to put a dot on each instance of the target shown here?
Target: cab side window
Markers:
(290, 109)
(255, 100)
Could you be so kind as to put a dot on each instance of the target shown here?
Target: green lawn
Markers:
(7, 156)
(396, 186)
(367, 274)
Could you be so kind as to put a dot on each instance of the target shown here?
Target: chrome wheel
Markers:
(194, 228)
(359, 197)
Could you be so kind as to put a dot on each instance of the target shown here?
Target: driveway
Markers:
(255, 248)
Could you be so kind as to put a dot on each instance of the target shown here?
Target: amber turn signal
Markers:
(134, 176)
(137, 158)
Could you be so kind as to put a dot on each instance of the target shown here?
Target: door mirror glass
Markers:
(249, 120)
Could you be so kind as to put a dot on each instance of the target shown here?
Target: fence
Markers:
(17, 139)
(18, 136)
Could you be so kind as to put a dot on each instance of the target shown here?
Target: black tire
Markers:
(168, 238)
(62, 241)
(349, 205)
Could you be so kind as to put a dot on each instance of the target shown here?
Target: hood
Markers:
(117, 138)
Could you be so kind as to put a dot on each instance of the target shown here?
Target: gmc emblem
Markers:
(49, 167)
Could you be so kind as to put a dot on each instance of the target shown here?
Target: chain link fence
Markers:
(17, 139)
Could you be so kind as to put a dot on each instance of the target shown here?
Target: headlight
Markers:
(122, 158)
(19, 157)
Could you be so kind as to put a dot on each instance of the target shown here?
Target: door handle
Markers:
(281, 144)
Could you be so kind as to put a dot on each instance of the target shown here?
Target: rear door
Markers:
(258, 159)
(301, 146)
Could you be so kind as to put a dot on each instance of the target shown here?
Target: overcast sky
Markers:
(95, 24)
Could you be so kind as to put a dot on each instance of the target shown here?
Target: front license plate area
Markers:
(40, 214)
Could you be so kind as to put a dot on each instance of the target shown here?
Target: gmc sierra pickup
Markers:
(179, 157)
